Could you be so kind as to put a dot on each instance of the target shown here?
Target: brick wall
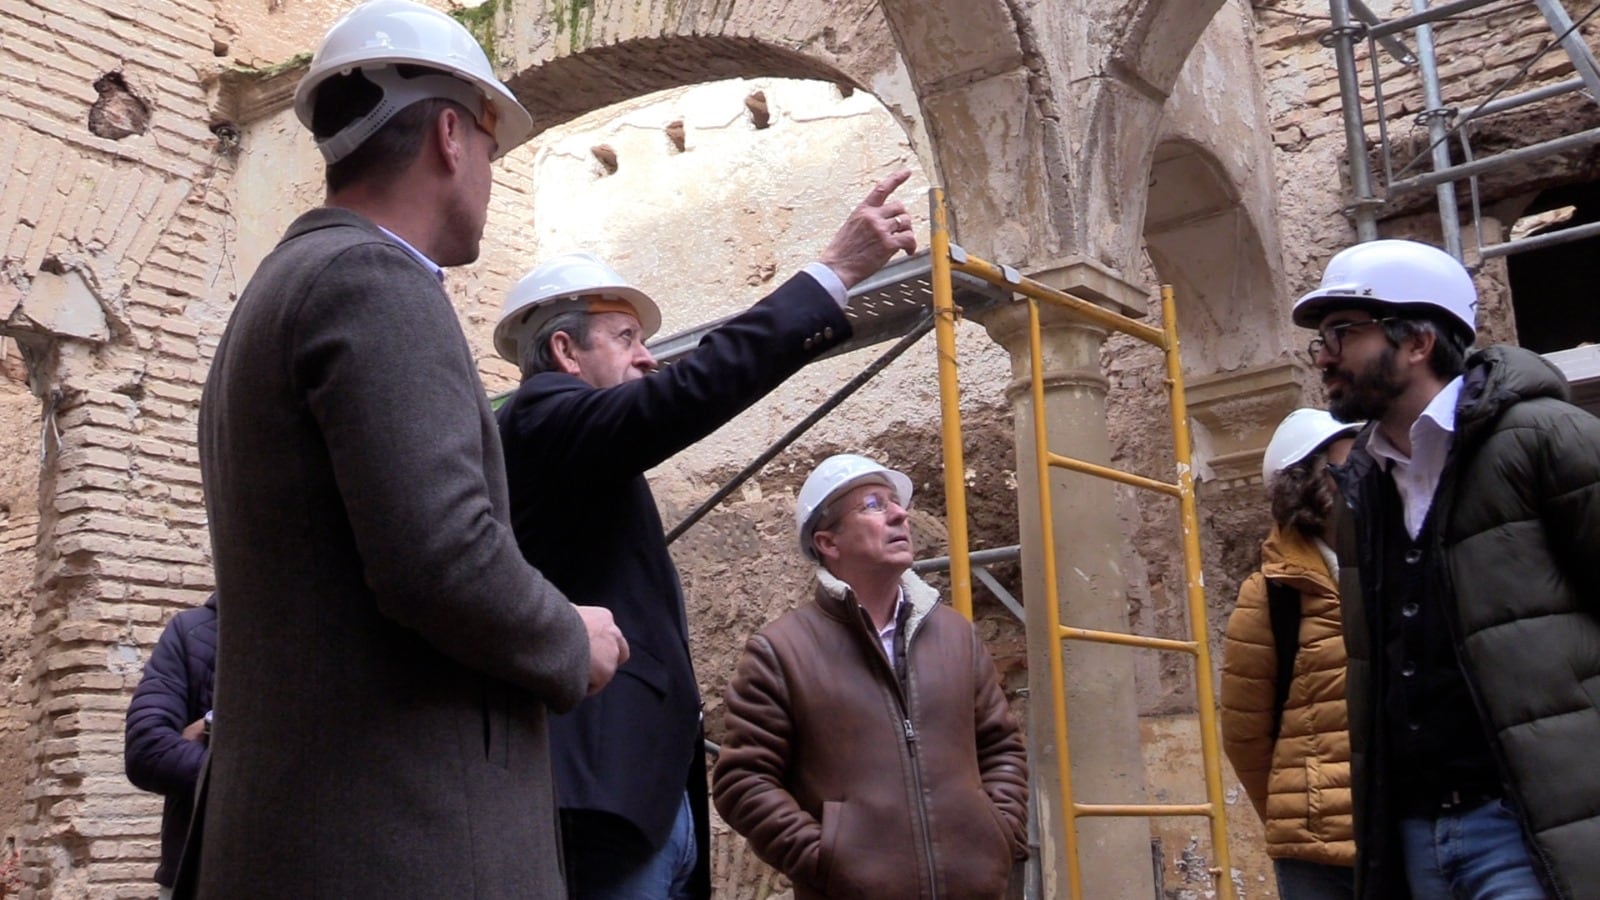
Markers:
(106, 187)
(120, 252)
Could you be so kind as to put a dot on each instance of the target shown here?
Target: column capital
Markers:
(1096, 282)
(1238, 411)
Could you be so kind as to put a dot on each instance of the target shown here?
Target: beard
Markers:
(1369, 392)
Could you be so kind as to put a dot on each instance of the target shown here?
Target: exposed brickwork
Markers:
(121, 538)
(105, 539)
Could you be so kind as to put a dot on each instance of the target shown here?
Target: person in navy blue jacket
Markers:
(589, 419)
(168, 725)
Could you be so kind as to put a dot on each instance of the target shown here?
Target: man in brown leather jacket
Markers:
(869, 750)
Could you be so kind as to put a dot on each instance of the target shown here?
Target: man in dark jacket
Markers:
(169, 725)
(1470, 572)
(869, 751)
(589, 419)
(388, 659)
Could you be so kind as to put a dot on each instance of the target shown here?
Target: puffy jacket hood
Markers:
(1498, 378)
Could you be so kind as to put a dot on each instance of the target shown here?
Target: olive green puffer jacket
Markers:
(1519, 515)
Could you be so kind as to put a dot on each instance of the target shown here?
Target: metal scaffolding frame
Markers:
(951, 261)
(1354, 23)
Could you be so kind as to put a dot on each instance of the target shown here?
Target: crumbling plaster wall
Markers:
(126, 226)
(113, 242)
(19, 523)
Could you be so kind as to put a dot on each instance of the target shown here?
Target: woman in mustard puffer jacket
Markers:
(1288, 737)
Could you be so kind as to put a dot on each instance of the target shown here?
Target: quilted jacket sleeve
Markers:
(1002, 755)
(1249, 673)
(1569, 486)
(747, 784)
(155, 754)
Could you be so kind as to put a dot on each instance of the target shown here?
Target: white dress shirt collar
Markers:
(1416, 477)
(432, 266)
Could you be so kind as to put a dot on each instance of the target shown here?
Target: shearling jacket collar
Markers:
(838, 599)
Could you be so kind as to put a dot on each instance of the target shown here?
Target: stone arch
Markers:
(1153, 50)
(570, 59)
(1156, 39)
(954, 73)
(567, 87)
(1203, 241)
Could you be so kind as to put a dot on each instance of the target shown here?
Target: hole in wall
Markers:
(756, 104)
(119, 112)
(606, 156)
(1552, 288)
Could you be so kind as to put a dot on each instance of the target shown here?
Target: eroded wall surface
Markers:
(128, 225)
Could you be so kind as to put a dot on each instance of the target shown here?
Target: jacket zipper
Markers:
(922, 809)
(899, 693)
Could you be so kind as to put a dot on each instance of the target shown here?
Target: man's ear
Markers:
(564, 350)
(825, 545)
(448, 131)
(1422, 341)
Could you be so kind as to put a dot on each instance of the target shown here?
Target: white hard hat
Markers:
(1405, 275)
(584, 283)
(381, 34)
(832, 477)
(1301, 433)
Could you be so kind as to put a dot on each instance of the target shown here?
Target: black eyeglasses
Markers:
(1331, 337)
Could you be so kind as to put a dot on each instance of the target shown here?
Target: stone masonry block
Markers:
(75, 659)
(90, 681)
(75, 632)
(178, 393)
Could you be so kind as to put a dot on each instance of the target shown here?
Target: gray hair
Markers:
(1450, 345)
(535, 353)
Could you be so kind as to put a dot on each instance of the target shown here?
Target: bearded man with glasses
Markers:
(869, 750)
(1469, 572)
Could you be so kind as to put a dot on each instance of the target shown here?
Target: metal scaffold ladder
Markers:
(949, 260)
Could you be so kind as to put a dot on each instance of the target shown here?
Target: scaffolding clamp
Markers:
(1444, 113)
(1354, 31)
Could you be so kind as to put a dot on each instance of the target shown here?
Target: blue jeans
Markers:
(1301, 880)
(608, 859)
(1469, 854)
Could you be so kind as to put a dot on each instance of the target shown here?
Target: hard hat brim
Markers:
(1310, 309)
(510, 329)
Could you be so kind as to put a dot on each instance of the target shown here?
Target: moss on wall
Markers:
(576, 18)
(480, 22)
(297, 61)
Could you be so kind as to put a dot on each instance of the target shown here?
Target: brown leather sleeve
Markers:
(747, 783)
(1002, 755)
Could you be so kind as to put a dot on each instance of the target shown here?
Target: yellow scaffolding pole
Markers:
(948, 258)
(955, 486)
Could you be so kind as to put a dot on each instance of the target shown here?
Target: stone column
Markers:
(1102, 709)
